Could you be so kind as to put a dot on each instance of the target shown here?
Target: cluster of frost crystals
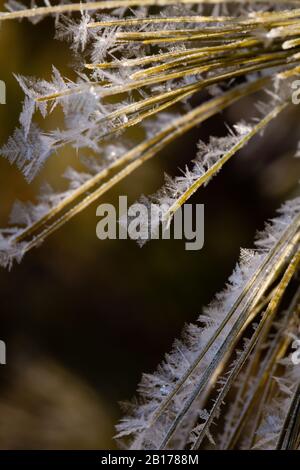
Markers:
(29, 152)
(9, 250)
(24, 216)
(140, 427)
(275, 413)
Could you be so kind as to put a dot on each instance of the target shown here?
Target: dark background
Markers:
(83, 318)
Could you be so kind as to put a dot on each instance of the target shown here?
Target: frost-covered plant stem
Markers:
(262, 329)
(229, 343)
(112, 4)
(204, 178)
(289, 437)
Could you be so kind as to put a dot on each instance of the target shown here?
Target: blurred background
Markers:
(82, 318)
